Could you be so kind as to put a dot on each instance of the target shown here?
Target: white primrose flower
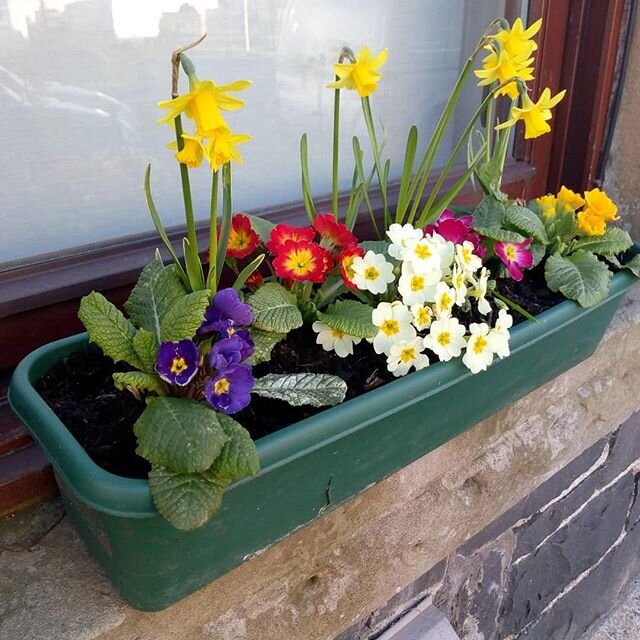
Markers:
(422, 316)
(459, 279)
(400, 235)
(394, 325)
(416, 288)
(446, 338)
(423, 255)
(444, 298)
(499, 336)
(479, 354)
(372, 272)
(406, 354)
(334, 339)
(466, 259)
(480, 291)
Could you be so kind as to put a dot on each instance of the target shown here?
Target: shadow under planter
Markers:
(306, 468)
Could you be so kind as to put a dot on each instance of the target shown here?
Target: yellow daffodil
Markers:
(571, 201)
(221, 148)
(547, 205)
(203, 104)
(601, 204)
(517, 41)
(192, 151)
(499, 66)
(361, 75)
(534, 114)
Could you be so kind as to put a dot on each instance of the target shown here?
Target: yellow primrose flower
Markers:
(601, 204)
(499, 66)
(192, 151)
(571, 201)
(517, 41)
(222, 147)
(361, 75)
(547, 205)
(591, 223)
(534, 114)
(203, 104)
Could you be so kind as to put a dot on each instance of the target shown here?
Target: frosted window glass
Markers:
(79, 82)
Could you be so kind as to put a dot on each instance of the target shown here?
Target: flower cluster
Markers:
(426, 278)
(308, 254)
(220, 374)
(592, 212)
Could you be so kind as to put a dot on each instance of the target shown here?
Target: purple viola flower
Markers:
(230, 390)
(226, 311)
(247, 349)
(177, 362)
(226, 352)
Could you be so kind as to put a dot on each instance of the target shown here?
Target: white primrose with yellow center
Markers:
(417, 287)
(480, 291)
(422, 316)
(479, 353)
(406, 354)
(444, 298)
(334, 340)
(393, 320)
(466, 258)
(446, 338)
(401, 236)
(499, 336)
(459, 279)
(429, 254)
(372, 272)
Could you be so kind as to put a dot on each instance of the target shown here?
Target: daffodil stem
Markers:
(225, 227)
(489, 128)
(336, 141)
(212, 278)
(188, 209)
(368, 118)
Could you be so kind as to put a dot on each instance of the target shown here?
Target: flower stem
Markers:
(225, 227)
(212, 281)
(336, 141)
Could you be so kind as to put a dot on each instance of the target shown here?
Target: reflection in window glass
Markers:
(79, 81)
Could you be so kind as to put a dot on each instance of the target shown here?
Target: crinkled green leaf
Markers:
(146, 345)
(274, 309)
(186, 500)
(180, 434)
(351, 317)
(314, 389)
(138, 380)
(633, 265)
(185, 316)
(262, 227)
(157, 289)
(580, 277)
(108, 328)
(377, 246)
(239, 457)
(527, 222)
(563, 224)
(489, 214)
(264, 342)
(613, 242)
(499, 235)
(539, 251)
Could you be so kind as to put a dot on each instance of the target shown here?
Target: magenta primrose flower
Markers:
(457, 230)
(516, 256)
(177, 362)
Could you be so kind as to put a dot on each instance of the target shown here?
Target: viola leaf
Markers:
(314, 389)
(263, 341)
(157, 289)
(180, 434)
(527, 222)
(138, 380)
(186, 500)
(146, 345)
(109, 329)
(613, 242)
(185, 316)
(351, 317)
(239, 458)
(274, 309)
(580, 277)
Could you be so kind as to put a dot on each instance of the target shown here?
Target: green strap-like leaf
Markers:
(239, 458)
(138, 380)
(350, 317)
(275, 309)
(185, 316)
(263, 341)
(157, 289)
(315, 389)
(527, 222)
(580, 277)
(613, 242)
(180, 434)
(108, 328)
(186, 500)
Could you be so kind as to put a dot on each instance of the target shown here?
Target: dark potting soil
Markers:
(80, 388)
